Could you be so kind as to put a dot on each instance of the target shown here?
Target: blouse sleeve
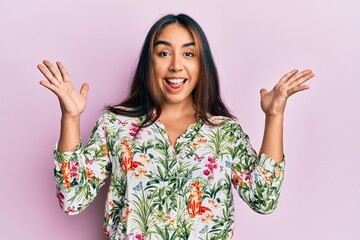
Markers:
(80, 173)
(257, 178)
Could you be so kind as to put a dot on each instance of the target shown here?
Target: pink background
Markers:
(254, 43)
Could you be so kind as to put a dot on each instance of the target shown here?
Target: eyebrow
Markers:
(169, 44)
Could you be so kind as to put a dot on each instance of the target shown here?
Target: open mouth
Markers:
(175, 82)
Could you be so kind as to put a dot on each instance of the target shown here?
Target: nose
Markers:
(176, 64)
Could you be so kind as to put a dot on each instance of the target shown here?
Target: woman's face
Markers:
(176, 64)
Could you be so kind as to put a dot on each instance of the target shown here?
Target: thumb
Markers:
(263, 91)
(84, 89)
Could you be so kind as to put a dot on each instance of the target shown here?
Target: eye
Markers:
(164, 54)
(189, 54)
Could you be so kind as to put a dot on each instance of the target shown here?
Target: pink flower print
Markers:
(122, 123)
(206, 172)
(245, 175)
(89, 161)
(103, 128)
(211, 176)
(134, 124)
(133, 129)
(211, 160)
(211, 166)
(60, 197)
(70, 210)
(197, 158)
(74, 166)
(139, 236)
(106, 231)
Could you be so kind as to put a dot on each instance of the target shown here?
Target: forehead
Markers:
(175, 33)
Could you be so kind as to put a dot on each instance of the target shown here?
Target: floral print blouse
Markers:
(164, 191)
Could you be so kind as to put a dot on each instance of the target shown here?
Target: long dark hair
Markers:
(144, 97)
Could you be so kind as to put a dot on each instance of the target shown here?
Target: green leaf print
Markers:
(143, 213)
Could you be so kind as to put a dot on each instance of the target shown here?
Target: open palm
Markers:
(273, 103)
(72, 103)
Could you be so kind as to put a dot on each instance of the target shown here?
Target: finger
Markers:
(65, 75)
(84, 89)
(263, 91)
(50, 86)
(296, 89)
(53, 70)
(300, 78)
(288, 75)
(48, 75)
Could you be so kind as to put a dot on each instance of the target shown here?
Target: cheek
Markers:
(195, 71)
(159, 68)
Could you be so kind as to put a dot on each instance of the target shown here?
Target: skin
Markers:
(173, 57)
(273, 104)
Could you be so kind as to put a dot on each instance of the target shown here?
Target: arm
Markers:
(72, 103)
(77, 174)
(273, 104)
(80, 173)
(258, 178)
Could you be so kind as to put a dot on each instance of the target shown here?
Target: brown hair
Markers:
(144, 97)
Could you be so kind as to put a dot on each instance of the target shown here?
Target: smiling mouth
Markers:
(175, 82)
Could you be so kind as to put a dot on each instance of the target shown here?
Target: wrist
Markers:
(275, 118)
(65, 118)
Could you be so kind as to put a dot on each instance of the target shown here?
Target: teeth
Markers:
(178, 80)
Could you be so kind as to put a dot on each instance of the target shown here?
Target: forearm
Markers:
(69, 134)
(272, 144)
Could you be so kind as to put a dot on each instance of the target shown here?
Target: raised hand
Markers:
(273, 103)
(72, 103)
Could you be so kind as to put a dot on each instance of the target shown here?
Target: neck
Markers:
(178, 110)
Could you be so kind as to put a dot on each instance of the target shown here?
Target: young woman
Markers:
(172, 147)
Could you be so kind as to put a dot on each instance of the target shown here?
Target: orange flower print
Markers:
(152, 183)
(195, 207)
(145, 157)
(127, 163)
(169, 219)
(236, 180)
(89, 173)
(104, 150)
(202, 140)
(213, 203)
(65, 170)
(207, 215)
(277, 171)
(267, 176)
(126, 214)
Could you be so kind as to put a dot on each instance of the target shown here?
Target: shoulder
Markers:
(219, 121)
(110, 118)
(224, 123)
